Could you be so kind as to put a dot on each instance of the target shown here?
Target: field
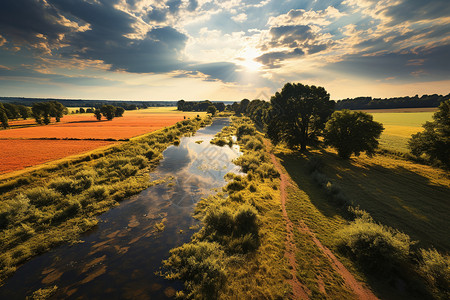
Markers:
(19, 154)
(400, 125)
(78, 133)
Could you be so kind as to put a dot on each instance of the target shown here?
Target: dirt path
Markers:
(300, 291)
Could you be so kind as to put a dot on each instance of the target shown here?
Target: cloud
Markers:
(303, 17)
(240, 18)
(273, 59)
(223, 71)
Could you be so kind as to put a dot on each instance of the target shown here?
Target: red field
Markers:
(18, 151)
(19, 154)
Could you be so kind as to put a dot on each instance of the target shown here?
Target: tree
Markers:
(180, 104)
(12, 111)
(352, 132)
(98, 114)
(108, 111)
(82, 110)
(119, 111)
(25, 112)
(434, 141)
(43, 111)
(211, 110)
(298, 114)
(3, 116)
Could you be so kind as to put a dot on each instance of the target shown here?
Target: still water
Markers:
(119, 258)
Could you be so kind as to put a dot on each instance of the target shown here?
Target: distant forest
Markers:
(199, 105)
(127, 105)
(400, 102)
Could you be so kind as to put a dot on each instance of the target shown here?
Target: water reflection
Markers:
(118, 260)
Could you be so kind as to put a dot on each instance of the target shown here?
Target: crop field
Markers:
(399, 126)
(78, 133)
(19, 154)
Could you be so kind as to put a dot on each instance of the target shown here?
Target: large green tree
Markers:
(298, 114)
(352, 133)
(108, 111)
(434, 141)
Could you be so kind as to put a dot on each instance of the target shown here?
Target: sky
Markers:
(222, 50)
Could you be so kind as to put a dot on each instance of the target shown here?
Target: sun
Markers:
(246, 58)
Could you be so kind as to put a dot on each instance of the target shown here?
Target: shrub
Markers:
(267, 170)
(219, 220)
(200, 267)
(435, 267)
(235, 185)
(246, 220)
(41, 196)
(98, 192)
(375, 247)
(245, 130)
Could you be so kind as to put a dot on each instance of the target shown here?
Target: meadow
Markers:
(399, 125)
(78, 133)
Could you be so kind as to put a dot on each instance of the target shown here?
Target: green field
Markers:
(399, 126)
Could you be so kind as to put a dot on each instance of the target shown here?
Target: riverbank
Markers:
(51, 206)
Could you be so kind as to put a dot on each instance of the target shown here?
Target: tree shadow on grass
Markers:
(396, 197)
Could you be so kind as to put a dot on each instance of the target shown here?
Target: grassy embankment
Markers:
(55, 203)
(400, 194)
(248, 263)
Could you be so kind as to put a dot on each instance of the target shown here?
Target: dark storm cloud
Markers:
(106, 39)
(273, 59)
(23, 20)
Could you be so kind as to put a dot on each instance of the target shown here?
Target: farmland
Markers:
(19, 154)
(77, 133)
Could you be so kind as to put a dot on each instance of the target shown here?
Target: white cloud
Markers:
(240, 18)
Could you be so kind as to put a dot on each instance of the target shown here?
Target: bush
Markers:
(245, 130)
(98, 192)
(376, 248)
(67, 186)
(435, 267)
(246, 220)
(200, 267)
(267, 170)
(219, 220)
(41, 196)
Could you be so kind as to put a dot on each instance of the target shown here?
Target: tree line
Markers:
(302, 115)
(389, 103)
(42, 112)
(109, 112)
(199, 105)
